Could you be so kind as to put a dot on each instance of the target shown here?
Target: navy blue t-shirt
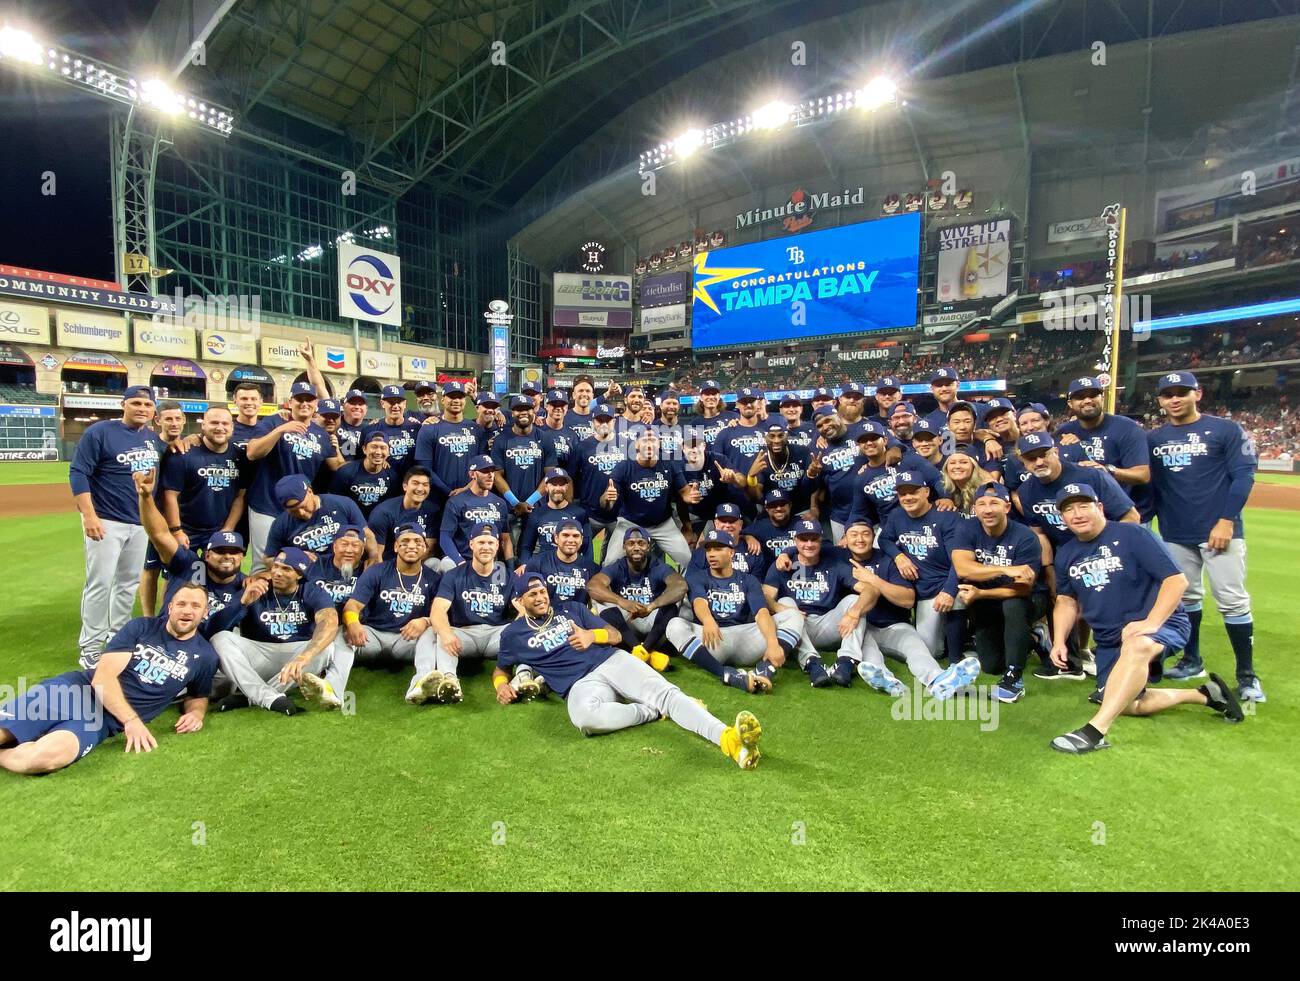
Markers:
(467, 509)
(1120, 442)
(639, 587)
(284, 619)
(349, 438)
(317, 533)
(548, 650)
(593, 466)
(1202, 472)
(1038, 500)
(815, 589)
(523, 460)
(884, 613)
(390, 514)
(367, 490)
(563, 442)
(1014, 472)
(1115, 578)
(803, 436)
(579, 425)
(108, 453)
(741, 560)
(791, 478)
(773, 539)
(711, 428)
(446, 448)
(293, 453)
(401, 441)
(327, 576)
(541, 525)
(733, 600)
(566, 581)
(476, 600)
(840, 462)
(242, 433)
(741, 445)
(223, 598)
(206, 484)
(1017, 545)
(712, 490)
(646, 494)
(390, 599)
(877, 497)
(161, 668)
(927, 540)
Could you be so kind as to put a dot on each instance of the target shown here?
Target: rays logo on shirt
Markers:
(553, 637)
(338, 589)
(566, 585)
(140, 459)
(808, 589)
(283, 622)
(650, 488)
(153, 666)
(318, 536)
(1095, 447)
(1176, 457)
(562, 446)
(459, 442)
(638, 591)
(402, 602)
(1094, 572)
(742, 561)
(304, 445)
(727, 601)
(839, 459)
(918, 543)
(220, 478)
(487, 515)
(369, 493)
(1047, 510)
(524, 455)
(400, 444)
(483, 602)
(748, 444)
(999, 555)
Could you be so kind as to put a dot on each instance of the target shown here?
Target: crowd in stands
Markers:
(1276, 340)
(1050, 348)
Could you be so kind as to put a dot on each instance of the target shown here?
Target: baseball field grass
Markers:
(477, 796)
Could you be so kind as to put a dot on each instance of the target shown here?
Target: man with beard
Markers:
(595, 459)
(647, 488)
(943, 386)
(203, 488)
(490, 419)
(329, 418)
(1114, 443)
(446, 446)
(287, 636)
(633, 406)
(850, 406)
(413, 507)
(799, 434)
(606, 689)
(639, 595)
(389, 607)
(669, 429)
(544, 520)
(477, 506)
(1034, 418)
(400, 431)
(579, 416)
(370, 481)
(734, 629)
(712, 417)
(775, 530)
(566, 571)
(469, 612)
(336, 572)
(562, 439)
(309, 521)
(426, 397)
(781, 466)
(748, 556)
(902, 423)
(710, 477)
(354, 417)
(741, 441)
(837, 465)
(522, 458)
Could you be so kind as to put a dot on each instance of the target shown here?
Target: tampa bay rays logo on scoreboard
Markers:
(370, 285)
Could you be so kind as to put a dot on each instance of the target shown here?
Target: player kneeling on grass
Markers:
(470, 610)
(388, 612)
(148, 665)
(288, 635)
(639, 595)
(1124, 583)
(734, 626)
(606, 689)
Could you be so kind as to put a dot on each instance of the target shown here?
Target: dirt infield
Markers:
(32, 499)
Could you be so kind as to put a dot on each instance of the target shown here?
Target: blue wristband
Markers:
(534, 497)
(511, 499)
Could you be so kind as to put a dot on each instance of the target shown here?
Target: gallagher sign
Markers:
(370, 285)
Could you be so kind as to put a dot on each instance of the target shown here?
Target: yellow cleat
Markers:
(658, 660)
(640, 653)
(317, 689)
(740, 741)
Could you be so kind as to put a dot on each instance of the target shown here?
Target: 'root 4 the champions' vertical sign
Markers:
(370, 285)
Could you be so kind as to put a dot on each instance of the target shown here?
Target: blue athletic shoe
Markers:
(1186, 668)
(955, 678)
(1010, 689)
(817, 673)
(881, 679)
(842, 673)
(1249, 690)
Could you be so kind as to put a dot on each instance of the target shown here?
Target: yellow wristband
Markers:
(500, 680)
(601, 635)
(753, 481)
(351, 616)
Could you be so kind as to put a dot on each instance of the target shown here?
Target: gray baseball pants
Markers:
(1226, 572)
(253, 665)
(666, 535)
(742, 645)
(624, 692)
(900, 640)
(112, 576)
(821, 632)
(259, 529)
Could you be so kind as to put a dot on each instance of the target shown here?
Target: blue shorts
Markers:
(64, 703)
(1173, 634)
(151, 558)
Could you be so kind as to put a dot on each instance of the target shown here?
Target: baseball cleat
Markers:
(1011, 688)
(640, 653)
(659, 660)
(1186, 668)
(316, 689)
(842, 673)
(817, 674)
(880, 678)
(88, 662)
(449, 691)
(1221, 699)
(424, 688)
(1077, 743)
(740, 741)
(526, 686)
(955, 678)
(759, 684)
(1048, 671)
(1097, 696)
(1249, 689)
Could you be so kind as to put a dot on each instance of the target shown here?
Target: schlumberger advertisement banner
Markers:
(841, 280)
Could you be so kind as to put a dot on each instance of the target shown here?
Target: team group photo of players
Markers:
(587, 546)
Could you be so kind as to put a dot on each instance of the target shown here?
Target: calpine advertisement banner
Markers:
(662, 291)
(592, 291)
(167, 342)
(973, 261)
(370, 285)
(97, 331)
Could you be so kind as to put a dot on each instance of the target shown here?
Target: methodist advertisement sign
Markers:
(850, 279)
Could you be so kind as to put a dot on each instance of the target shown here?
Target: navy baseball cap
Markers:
(603, 411)
(1033, 442)
(822, 393)
(1035, 407)
(526, 582)
(569, 524)
(852, 390)
(346, 530)
(138, 392)
(487, 398)
(483, 528)
(452, 388)
(1177, 379)
(710, 386)
(872, 430)
(481, 464)
(302, 388)
(749, 393)
(728, 511)
(858, 521)
(521, 402)
(328, 407)
(636, 531)
(806, 527)
(294, 487)
(719, 538)
(790, 398)
(557, 397)
(393, 392)
(909, 478)
(995, 406)
(992, 489)
(558, 474)
(425, 386)
(944, 375)
(1084, 384)
(961, 406)
(407, 528)
(902, 407)
(777, 427)
(376, 436)
(530, 388)
(355, 395)
(889, 384)
(775, 496)
(823, 410)
(295, 558)
(226, 541)
(924, 429)
(1072, 492)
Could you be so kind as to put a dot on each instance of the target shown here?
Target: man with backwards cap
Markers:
(735, 629)
(799, 434)
(349, 431)
(543, 521)
(1120, 579)
(563, 440)
(309, 521)
(594, 461)
(606, 689)
(369, 481)
(1115, 443)
(336, 571)
(781, 466)
(748, 555)
(470, 611)
(1203, 468)
(446, 445)
(477, 506)
(414, 507)
(288, 635)
(400, 431)
(647, 489)
(712, 417)
(639, 595)
(388, 611)
(997, 563)
(569, 568)
(522, 457)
